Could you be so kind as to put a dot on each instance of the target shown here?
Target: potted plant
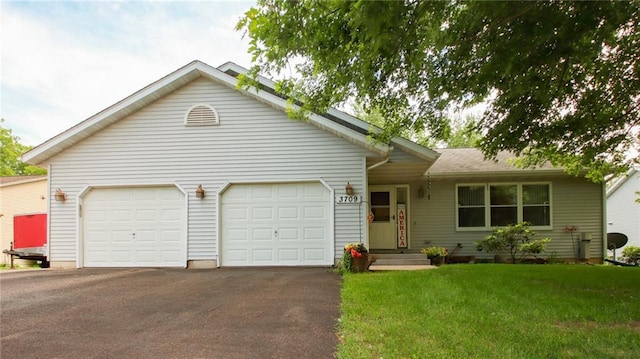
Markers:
(435, 254)
(355, 258)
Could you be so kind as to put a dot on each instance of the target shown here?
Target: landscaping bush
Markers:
(517, 239)
(631, 255)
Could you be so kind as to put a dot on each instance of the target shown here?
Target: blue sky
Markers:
(63, 61)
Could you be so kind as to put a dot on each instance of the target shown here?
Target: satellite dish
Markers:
(616, 240)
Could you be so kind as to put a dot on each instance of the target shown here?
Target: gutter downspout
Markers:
(386, 159)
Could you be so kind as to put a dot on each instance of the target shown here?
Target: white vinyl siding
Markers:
(575, 202)
(254, 143)
(623, 212)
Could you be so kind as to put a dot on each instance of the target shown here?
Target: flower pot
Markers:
(437, 261)
(360, 264)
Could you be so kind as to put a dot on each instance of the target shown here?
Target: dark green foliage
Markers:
(561, 79)
(10, 152)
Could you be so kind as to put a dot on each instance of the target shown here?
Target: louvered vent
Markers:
(202, 115)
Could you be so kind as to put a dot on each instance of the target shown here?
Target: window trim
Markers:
(487, 204)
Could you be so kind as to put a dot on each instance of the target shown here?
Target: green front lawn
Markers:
(492, 311)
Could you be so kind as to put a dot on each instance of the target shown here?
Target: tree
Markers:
(460, 133)
(11, 150)
(561, 79)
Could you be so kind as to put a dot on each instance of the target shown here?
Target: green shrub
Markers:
(517, 239)
(631, 255)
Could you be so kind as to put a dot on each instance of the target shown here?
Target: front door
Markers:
(383, 231)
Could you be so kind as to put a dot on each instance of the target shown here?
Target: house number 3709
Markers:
(340, 199)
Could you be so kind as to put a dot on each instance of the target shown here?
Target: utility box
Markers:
(585, 245)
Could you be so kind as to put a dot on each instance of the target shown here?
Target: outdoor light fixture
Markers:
(60, 196)
(349, 190)
(199, 191)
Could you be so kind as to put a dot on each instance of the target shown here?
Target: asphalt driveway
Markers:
(169, 313)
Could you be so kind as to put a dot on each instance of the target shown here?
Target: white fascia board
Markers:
(27, 180)
(415, 149)
(89, 126)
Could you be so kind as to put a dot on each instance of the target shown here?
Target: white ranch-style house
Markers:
(192, 171)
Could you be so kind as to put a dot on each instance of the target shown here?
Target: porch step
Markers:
(408, 259)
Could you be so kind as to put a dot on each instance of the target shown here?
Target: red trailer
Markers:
(29, 238)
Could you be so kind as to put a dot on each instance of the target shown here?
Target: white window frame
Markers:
(487, 204)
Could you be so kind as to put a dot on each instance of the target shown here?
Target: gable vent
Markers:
(202, 115)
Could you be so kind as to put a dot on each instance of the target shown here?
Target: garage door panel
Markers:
(264, 192)
(262, 255)
(145, 236)
(313, 255)
(121, 215)
(237, 234)
(288, 234)
(288, 255)
(262, 213)
(237, 255)
(314, 234)
(96, 256)
(261, 234)
(315, 212)
(168, 236)
(132, 227)
(289, 213)
(287, 224)
(121, 257)
(288, 192)
(148, 215)
(120, 236)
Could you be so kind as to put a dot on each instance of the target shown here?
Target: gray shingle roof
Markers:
(470, 160)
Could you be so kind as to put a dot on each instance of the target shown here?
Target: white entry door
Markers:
(134, 227)
(276, 224)
(383, 230)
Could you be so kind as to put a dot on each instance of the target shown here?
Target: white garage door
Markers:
(134, 227)
(276, 224)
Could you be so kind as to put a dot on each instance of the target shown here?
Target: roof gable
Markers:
(177, 80)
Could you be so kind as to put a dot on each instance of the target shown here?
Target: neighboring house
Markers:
(191, 171)
(623, 212)
(19, 195)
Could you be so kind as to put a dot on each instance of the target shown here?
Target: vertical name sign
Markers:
(402, 226)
